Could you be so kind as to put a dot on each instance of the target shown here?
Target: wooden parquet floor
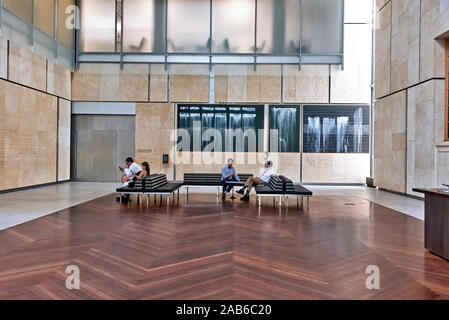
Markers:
(209, 249)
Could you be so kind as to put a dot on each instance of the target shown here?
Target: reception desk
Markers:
(436, 221)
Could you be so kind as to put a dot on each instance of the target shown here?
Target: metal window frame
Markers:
(212, 58)
(57, 45)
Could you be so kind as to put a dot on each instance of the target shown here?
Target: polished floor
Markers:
(22, 206)
(204, 248)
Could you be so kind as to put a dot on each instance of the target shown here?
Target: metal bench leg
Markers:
(155, 201)
(308, 199)
(258, 201)
(274, 202)
(297, 202)
(168, 199)
(280, 201)
(121, 199)
(286, 201)
(218, 192)
(177, 195)
(148, 200)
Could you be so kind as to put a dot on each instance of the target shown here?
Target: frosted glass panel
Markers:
(322, 26)
(65, 35)
(98, 30)
(278, 26)
(233, 26)
(45, 16)
(22, 8)
(143, 25)
(188, 26)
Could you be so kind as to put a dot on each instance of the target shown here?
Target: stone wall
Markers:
(409, 146)
(157, 89)
(35, 128)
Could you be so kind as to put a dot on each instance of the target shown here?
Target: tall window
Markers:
(220, 128)
(284, 129)
(336, 129)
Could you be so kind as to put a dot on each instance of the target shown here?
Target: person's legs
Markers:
(250, 183)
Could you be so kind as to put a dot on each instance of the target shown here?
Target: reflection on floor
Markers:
(205, 248)
(22, 206)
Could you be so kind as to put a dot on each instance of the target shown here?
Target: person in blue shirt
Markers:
(228, 173)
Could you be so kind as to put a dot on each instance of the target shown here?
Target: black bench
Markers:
(211, 180)
(156, 184)
(283, 187)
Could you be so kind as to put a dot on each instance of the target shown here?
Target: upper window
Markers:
(220, 128)
(336, 129)
(279, 27)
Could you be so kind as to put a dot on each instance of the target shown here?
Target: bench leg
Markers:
(297, 202)
(274, 202)
(148, 200)
(308, 202)
(121, 199)
(177, 195)
(155, 201)
(286, 201)
(258, 200)
(218, 192)
(280, 201)
(168, 199)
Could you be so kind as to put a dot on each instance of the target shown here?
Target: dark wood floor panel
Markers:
(208, 249)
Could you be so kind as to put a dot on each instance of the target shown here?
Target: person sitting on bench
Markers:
(145, 171)
(130, 171)
(255, 181)
(228, 173)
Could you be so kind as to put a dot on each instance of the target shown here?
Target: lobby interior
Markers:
(347, 98)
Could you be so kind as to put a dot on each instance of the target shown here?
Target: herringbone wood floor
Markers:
(209, 249)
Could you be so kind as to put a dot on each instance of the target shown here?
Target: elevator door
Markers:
(101, 144)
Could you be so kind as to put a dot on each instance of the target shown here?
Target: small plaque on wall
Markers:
(165, 158)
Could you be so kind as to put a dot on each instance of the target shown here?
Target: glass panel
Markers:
(22, 8)
(233, 26)
(286, 121)
(322, 26)
(278, 26)
(97, 30)
(336, 129)
(188, 26)
(143, 26)
(66, 35)
(44, 17)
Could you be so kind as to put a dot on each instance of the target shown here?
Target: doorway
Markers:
(100, 143)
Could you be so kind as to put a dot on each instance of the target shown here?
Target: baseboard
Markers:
(33, 186)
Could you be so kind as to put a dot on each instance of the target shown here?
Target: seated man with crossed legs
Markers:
(256, 181)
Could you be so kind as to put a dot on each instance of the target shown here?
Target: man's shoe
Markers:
(245, 198)
(223, 196)
(241, 191)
